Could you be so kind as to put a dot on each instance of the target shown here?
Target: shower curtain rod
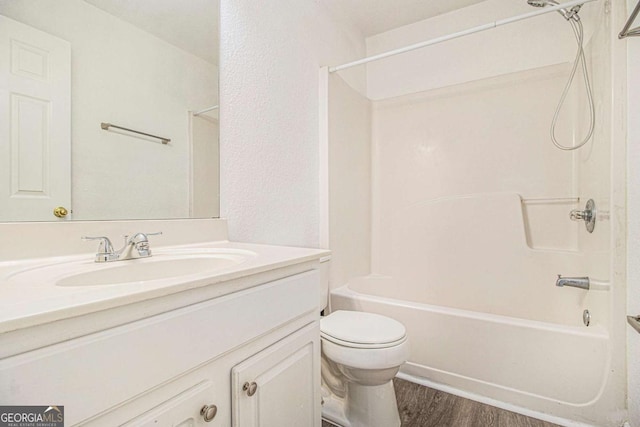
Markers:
(215, 107)
(458, 34)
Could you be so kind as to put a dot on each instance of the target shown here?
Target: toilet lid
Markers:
(358, 327)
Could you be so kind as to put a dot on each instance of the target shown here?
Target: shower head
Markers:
(542, 3)
(567, 14)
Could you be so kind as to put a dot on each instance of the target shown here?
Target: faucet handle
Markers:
(141, 243)
(577, 215)
(105, 246)
(139, 237)
(105, 249)
(588, 215)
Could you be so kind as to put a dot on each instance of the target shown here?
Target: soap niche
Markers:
(547, 224)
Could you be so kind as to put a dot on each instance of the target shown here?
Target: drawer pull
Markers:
(209, 412)
(250, 388)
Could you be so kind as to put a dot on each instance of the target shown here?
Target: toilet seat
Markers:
(366, 358)
(357, 329)
(360, 345)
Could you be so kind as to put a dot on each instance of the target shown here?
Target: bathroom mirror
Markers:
(109, 109)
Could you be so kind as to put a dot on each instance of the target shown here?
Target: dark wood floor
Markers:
(425, 407)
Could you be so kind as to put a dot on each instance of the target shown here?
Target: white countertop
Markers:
(33, 299)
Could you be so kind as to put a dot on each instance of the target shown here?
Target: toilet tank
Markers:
(324, 282)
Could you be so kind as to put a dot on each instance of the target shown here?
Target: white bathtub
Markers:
(537, 367)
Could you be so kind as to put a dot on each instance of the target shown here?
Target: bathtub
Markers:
(550, 370)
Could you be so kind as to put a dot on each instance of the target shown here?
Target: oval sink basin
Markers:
(154, 269)
(177, 263)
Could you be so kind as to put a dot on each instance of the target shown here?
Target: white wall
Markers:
(128, 77)
(270, 56)
(633, 222)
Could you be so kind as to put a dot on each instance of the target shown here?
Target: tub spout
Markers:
(574, 282)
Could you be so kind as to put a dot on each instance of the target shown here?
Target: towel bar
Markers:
(106, 126)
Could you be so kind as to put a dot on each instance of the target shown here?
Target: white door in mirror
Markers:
(35, 123)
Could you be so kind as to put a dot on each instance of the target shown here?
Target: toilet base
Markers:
(333, 411)
(363, 406)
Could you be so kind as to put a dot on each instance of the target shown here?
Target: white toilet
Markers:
(361, 354)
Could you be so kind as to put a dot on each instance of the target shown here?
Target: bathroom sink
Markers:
(161, 266)
(154, 269)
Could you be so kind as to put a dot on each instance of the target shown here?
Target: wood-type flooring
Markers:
(421, 406)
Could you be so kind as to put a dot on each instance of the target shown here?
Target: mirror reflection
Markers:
(108, 109)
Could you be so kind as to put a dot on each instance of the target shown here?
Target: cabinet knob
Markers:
(250, 388)
(209, 412)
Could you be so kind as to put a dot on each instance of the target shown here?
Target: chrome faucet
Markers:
(574, 282)
(134, 247)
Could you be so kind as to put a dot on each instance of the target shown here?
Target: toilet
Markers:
(361, 354)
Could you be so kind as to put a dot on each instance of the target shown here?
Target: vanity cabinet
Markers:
(163, 370)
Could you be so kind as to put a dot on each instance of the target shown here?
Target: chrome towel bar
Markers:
(106, 126)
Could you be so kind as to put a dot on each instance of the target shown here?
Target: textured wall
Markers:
(270, 56)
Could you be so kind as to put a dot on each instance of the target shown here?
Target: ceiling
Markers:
(377, 16)
(190, 25)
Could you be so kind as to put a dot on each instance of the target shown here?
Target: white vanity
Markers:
(229, 339)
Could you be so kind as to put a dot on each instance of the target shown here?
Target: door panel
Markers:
(35, 123)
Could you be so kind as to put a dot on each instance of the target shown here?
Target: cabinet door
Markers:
(280, 386)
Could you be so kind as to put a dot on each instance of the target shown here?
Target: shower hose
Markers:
(576, 25)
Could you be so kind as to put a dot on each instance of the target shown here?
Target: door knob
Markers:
(60, 212)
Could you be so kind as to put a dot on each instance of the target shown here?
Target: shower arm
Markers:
(627, 31)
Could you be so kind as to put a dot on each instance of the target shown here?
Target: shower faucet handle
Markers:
(588, 215)
(577, 215)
